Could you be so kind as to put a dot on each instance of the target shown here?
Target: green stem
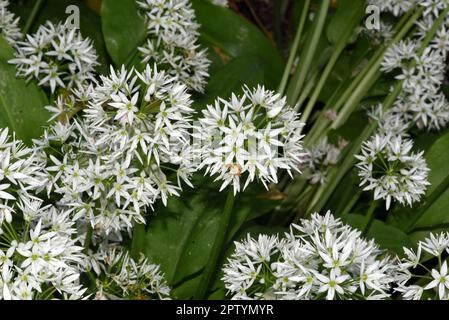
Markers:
(88, 239)
(348, 99)
(372, 74)
(337, 173)
(37, 5)
(350, 204)
(325, 75)
(369, 218)
(294, 48)
(217, 246)
(308, 54)
(307, 89)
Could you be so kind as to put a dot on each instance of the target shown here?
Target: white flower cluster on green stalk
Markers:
(320, 258)
(388, 166)
(129, 147)
(57, 56)
(251, 136)
(421, 102)
(172, 41)
(417, 280)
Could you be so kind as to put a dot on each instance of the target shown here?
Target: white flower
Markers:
(172, 41)
(441, 280)
(252, 136)
(320, 258)
(416, 278)
(388, 167)
(128, 148)
(57, 57)
(331, 284)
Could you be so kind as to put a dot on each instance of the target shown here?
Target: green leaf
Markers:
(22, 104)
(345, 19)
(229, 36)
(124, 29)
(386, 236)
(241, 71)
(180, 236)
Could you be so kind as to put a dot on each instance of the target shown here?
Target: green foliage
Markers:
(179, 237)
(123, 29)
(21, 103)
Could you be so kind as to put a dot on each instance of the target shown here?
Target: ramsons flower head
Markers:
(128, 148)
(388, 166)
(250, 137)
(57, 56)
(416, 279)
(172, 41)
(321, 258)
(42, 260)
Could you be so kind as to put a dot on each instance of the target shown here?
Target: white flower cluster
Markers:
(320, 157)
(121, 277)
(252, 136)
(21, 173)
(57, 56)
(42, 261)
(39, 257)
(129, 148)
(388, 166)
(321, 258)
(422, 101)
(9, 24)
(415, 279)
(172, 41)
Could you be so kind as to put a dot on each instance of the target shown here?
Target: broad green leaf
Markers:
(230, 79)
(180, 236)
(55, 11)
(22, 104)
(124, 29)
(229, 36)
(345, 19)
(386, 236)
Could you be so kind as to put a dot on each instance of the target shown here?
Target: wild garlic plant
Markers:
(57, 56)
(127, 148)
(87, 207)
(321, 258)
(172, 41)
